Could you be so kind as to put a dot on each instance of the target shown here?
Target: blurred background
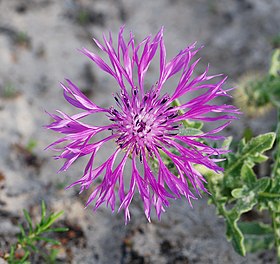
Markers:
(39, 42)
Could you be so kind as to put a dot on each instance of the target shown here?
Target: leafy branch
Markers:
(238, 189)
(28, 240)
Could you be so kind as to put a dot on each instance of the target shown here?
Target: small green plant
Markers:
(276, 41)
(239, 190)
(31, 145)
(256, 95)
(22, 39)
(9, 91)
(83, 17)
(35, 239)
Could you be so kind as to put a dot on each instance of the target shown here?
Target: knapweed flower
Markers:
(143, 127)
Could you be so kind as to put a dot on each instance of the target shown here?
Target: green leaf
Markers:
(24, 258)
(248, 175)
(258, 145)
(226, 143)
(247, 134)
(28, 219)
(237, 193)
(32, 246)
(58, 229)
(270, 198)
(43, 211)
(247, 198)
(189, 131)
(257, 236)
(49, 240)
(22, 232)
(51, 219)
(195, 124)
(249, 193)
(255, 228)
(12, 253)
(234, 234)
(275, 64)
(249, 152)
(187, 123)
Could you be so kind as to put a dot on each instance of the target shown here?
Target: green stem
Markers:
(275, 178)
(276, 165)
(269, 195)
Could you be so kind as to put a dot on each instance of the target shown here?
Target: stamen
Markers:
(169, 108)
(143, 126)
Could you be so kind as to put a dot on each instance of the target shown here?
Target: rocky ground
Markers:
(38, 49)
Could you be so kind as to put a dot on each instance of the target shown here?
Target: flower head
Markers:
(144, 126)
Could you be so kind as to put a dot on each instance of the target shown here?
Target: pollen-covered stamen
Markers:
(145, 124)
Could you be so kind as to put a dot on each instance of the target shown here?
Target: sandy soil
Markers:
(38, 49)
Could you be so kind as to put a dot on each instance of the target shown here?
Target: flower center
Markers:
(143, 125)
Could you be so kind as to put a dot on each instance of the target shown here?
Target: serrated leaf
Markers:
(247, 153)
(247, 200)
(270, 198)
(227, 143)
(257, 236)
(248, 193)
(241, 145)
(234, 235)
(255, 228)
(260, 158)
(248, 175)
(247, 134)
(245, 203)
(275, 64)
(259, 144)
(237, 193)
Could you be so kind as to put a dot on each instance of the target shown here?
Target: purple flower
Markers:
(144, 127)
